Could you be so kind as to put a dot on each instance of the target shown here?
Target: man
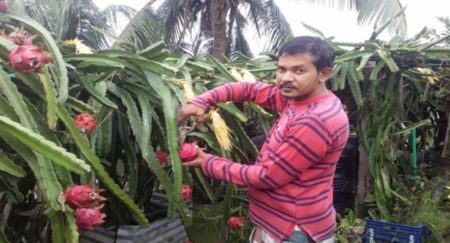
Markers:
(290, 186)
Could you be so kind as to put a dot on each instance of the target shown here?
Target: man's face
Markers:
(298, 78)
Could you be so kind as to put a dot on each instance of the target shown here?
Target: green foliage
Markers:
(134, 97)
(61, 72)
(350, 228)
(424, 203)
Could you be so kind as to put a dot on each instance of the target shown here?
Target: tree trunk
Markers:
(218, 11)
(364, 176)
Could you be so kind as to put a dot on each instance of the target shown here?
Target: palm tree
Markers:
(220, 24)
(144, 29)
(68, 19)
(372, 12)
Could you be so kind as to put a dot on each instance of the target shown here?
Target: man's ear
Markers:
(325, 74)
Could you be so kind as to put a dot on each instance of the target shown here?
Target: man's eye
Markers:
(299, 71)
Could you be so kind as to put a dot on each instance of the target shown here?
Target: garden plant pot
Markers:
(159, 231)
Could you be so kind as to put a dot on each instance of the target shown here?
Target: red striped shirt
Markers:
(291, 182)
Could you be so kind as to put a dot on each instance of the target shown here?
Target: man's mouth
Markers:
(287, 87)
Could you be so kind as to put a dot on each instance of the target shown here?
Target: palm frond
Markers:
(196, 47)
(238, 41)
(19, 7)
(145, 28)
(81, 18)
(254, 7)
(371, 12)
(43, 11)
(338, 4)
(179, 18)
(189, 29)
(91, 18)
(205, 22)
(274, 26)
(111, 13)
(379, 12)
(67, 19)
(172, 15)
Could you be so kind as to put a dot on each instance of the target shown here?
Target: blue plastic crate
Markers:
(380, 232)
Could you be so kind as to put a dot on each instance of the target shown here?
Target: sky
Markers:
(339, 23)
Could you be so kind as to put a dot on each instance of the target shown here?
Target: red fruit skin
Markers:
(162, 156)
(87, 218)
(86, 122)
(28, 58)
(186, 192)
(20, 37)
(82, 196)
(235, 222)
(188, 152)
(3, 7)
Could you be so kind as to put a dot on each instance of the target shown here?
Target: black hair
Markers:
(322, 52)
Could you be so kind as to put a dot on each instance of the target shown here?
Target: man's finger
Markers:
(180, 117)
(188, 164)
(194, 163)
(200, 118)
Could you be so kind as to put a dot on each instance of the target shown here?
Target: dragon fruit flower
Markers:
(235, 222)
(20, 37)
(28, 58)
(188, 152)
(87, 218)
(162, 156)
(186, 192)
(82, 196)
(86, 122)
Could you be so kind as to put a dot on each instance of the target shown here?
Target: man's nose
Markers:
(287, 77)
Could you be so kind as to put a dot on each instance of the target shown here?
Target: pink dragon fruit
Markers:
(28, 58)
(186, 192)
(188, 152)
(20, 37)
(162, 156)
(87, 218)
(3, 6)
(235, 222)
(82, 196)
(86, 122)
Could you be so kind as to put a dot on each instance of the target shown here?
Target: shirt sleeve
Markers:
(307, 142)
(266, 95)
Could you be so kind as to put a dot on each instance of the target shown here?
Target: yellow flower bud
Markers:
(431, 78)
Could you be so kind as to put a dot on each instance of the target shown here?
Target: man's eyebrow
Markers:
(293, 67)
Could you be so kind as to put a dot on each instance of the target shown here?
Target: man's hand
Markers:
(188, 110)
(197, 162)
